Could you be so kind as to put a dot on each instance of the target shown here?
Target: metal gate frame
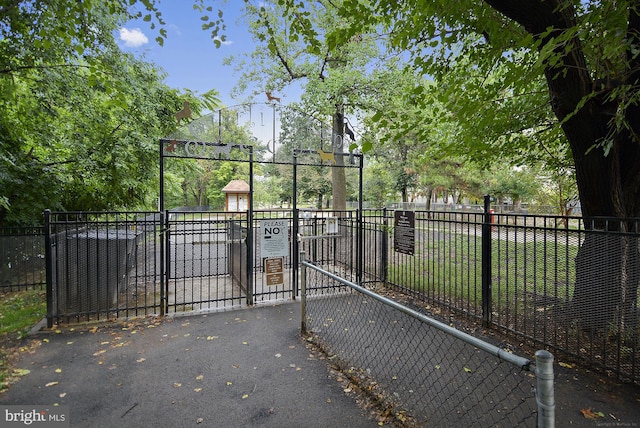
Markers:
(181, 148)
(187, 149)
(296, 221)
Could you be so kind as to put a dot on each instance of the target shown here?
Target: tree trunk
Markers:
(607, 265)
(338, 173)
(429, 196)
(607, 277)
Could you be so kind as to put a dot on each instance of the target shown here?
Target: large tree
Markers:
(336, 80)
(585, 53)
(503, 67)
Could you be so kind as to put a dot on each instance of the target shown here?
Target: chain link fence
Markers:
(424, 372)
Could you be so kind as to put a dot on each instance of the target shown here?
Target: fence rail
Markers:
(22, 261)
(421, 368)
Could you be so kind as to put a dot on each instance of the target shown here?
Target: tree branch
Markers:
(41, 67)
(5, 9)
(276, 50)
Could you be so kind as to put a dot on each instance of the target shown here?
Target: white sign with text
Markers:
(274, 238)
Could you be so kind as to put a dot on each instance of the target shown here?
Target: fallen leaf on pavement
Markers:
(589, 414)
(51, 384)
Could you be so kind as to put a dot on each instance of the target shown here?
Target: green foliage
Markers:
(543, 82)
(377, 184)
(80, 119)
(199, 182)
(517, 184)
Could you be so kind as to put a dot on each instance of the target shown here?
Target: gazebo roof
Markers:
(236, 186)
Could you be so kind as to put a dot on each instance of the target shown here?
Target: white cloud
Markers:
(225, 43)
(133, 38)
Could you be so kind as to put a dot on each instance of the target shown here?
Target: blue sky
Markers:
(192, 61)
(189, 56)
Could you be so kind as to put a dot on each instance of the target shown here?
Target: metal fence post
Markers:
(486, 262)
(248, 242)
(296, 226)
(165, 260)
(48, 255)
(303, 293)
(544, 389)
(384, 247)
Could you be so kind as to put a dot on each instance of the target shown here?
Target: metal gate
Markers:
(113, 265)
(214, 261)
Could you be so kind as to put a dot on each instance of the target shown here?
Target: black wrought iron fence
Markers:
(446, 265)
(572, 288)
(552, 281)
(331, 238)
(425, 372)
(102, 265)
(564, 283)
(22, 258)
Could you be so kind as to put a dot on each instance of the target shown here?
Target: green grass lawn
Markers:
(19, 312)
(450, 267)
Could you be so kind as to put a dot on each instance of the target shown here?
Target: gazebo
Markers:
(237, 194)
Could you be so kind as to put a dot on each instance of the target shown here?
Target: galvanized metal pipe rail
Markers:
(544, 359)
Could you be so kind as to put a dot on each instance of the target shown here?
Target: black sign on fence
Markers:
(404, 232)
